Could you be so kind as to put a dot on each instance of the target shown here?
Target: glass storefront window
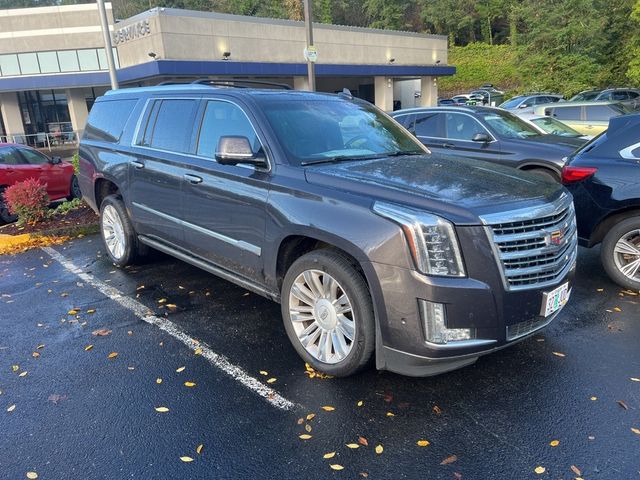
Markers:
(88, 59)
(48, 62)
(68, 61)
(28, 63)
(45, 111)
(9, 65)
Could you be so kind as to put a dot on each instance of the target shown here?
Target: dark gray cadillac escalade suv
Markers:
(323, 203)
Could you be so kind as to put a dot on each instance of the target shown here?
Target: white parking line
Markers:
(142, 312)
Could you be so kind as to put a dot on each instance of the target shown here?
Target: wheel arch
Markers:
(607, 222)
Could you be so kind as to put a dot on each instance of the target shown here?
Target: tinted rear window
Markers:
(107, 119)
(173, 127)
(567, 113)
(600, 113)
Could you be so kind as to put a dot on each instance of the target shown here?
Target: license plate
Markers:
(554, 300)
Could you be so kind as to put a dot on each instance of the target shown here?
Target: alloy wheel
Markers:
(113, 232)
(626, 255)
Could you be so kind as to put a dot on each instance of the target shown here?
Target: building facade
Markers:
(53, 63)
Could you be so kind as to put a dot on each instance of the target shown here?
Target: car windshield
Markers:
(312, 130)
(555, 127)
(621, 108)
(511, 103)
(585, 96)
(509, 126)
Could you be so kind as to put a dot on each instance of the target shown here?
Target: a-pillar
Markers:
(11, 116)
(428, 91)
(301, 83)
(77, 109)
(383, 93)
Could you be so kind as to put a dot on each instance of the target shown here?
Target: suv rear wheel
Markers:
(117, 232)
(620, 253)
(328, 313)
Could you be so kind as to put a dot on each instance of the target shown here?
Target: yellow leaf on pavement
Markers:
(271, 380)
(335, 466)
(307, 427)
(35, 354)
(112, 355)
(15, 368)
(72, 312)
(360, 403)
(554, 443)
(32, 475)
(305, 436)
(88, 347)
(91, 310)
(540, 470)
(23, 374)
(162, 409)
(329, 455)
(391, 414)
(199, 449)
(353, 445)
(189, 384)
(634, 379)
(423, 443)
(593, 399)
(379, 449)
(264, 372)
(328, 408)
(180, 369)
(162, 300)
(635, 430)
(617, 309)
(11, 408)
(40, 347)
(186, 459)
(559, 354)
(311, 416)
(197, 351)
(158, 380)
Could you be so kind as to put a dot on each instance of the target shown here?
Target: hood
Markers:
(457, 189)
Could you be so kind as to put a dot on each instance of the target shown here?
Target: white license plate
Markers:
(554, 300)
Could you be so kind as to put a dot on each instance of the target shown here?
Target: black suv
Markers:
(490, 134)
(604, 177)
(322, 202)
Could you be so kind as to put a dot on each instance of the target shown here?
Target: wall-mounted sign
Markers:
(135, 30)
(311, 54)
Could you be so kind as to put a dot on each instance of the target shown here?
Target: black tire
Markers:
(355, 287)
(545, 173)
(608, 255)
(5, 216)
(74, 189)
(132, 250)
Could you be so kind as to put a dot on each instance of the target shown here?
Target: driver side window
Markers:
(32, 157)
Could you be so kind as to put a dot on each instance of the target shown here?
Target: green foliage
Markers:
(75, 161)
(66, 207)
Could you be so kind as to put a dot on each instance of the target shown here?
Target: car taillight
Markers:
(575, 174)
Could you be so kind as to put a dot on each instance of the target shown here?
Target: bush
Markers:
(75, 161)
(29, 200)
(67, 206)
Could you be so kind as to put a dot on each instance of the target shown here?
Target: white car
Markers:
(547, 125)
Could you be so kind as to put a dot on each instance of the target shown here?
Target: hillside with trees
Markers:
(554, 45)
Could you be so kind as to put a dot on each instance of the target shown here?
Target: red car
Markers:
(18, 163)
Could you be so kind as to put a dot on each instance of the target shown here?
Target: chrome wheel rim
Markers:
(322, 316)
(113, 232)
(75, 188)
(626, 255)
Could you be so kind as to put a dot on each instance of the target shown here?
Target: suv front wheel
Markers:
(117, 232)
(328, 313)
(620, 253)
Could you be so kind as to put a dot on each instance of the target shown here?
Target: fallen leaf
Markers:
(263, 372)
(11, 408)
(197, 351)
(623, 404)
(199, 449)
(101, 332)
(35, 354)
(353, 445)
(40, 347)
(310, 416)
(158, 380)
(129, 332)
(600, 289)
(304, 436)
(300, 421)
(423, 443)
(335, 466)
(558, 354)
(162, 300)
(539, 470)
(72, 312)
(329, 455)
(91, 310)
(635, 430)
(437, 410)
(634, 379)
(23, 374)
(307, 427)
(271, 380)
(449, 459)
(364, 474)
(391, 414)
(88, 347)
(617, 309)
(593, 399)
(112, 355)
(15, 368)
(360, 403)
(328, 408)
(32, 475)
(363, 441)
(180, 369)
(576, 470)
(186, 459)
(554, 443)
(379, 449)
(162, 409)
(457, 476)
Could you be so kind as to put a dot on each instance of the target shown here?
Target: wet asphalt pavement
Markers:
(79, 414)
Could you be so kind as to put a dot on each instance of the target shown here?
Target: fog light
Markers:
(434, 317)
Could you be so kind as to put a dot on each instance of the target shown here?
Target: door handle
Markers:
(193, 179)
(448, 145)
(136, 164)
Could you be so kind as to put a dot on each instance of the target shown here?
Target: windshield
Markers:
(555, 127)
(509, 126)
(317, 129)
(585, 96)
(514, 102)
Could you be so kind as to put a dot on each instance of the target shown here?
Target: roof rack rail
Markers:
(171, 82)
(239, 83)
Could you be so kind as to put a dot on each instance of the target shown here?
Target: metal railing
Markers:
(44, 140)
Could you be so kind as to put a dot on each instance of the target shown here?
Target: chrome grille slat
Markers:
(527, 255)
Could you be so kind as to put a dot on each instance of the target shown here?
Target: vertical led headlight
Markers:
(431, 239)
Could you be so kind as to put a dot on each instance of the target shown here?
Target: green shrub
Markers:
(67, 206)
(75, 161)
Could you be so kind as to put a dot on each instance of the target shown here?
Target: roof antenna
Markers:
(346, 92)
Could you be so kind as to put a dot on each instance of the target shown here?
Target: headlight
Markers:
(431, 239)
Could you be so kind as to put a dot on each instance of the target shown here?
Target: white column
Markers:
(77, 109)
(301, 83)
(428, 91)
(11, 115)
(383, 93)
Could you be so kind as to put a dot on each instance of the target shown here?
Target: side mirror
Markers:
(481, 137)
(233, 150)
(523, 105)
(55, 160)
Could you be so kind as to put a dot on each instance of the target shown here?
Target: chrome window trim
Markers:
(249, 247)
(626, 152)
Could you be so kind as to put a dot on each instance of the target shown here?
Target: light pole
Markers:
(108, 49)
(311, 70)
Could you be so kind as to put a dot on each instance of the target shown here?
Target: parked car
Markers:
(490, 96)
(630, 97)
(585, 96)
(604, 178)
(527, 102)
(446, 101)
(490, 134)
(460, 99)
(588, 118)
(19, 163)
(551, 125)
(372, 244)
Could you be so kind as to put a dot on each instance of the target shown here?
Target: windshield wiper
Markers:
(339, 158)
(401, 153)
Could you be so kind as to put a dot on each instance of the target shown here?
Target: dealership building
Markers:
(53, 63)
